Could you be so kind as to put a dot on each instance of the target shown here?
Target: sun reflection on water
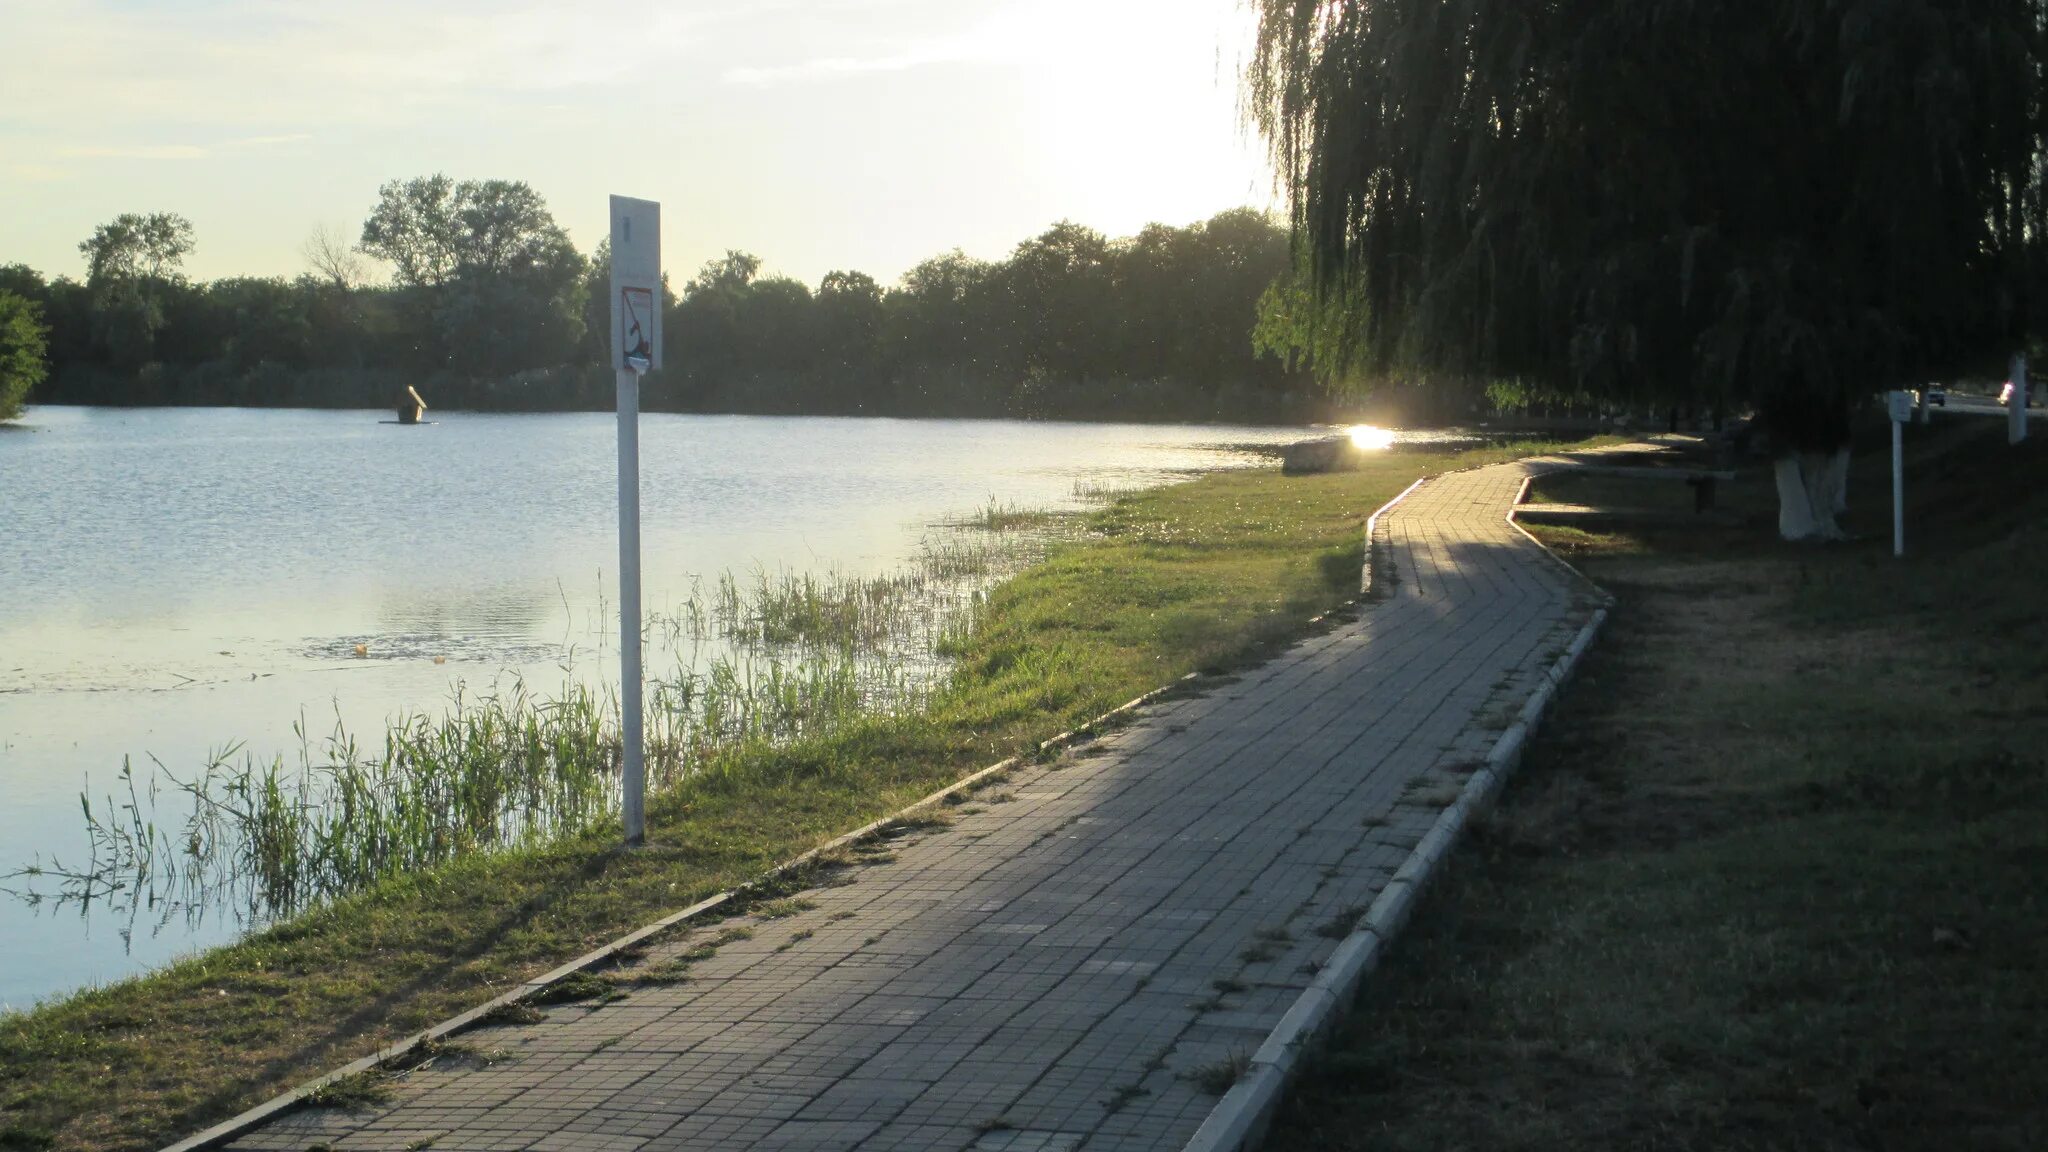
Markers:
(1369, 438)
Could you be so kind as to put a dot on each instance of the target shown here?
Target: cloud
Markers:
(249, 143)
(254, 63)
(833, 67)
(37, 173)
(134, 152)
(992, 37)
(986, 40)
(1010, 30)
(174, 152)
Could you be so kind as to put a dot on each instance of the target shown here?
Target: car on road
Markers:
(1935, 396)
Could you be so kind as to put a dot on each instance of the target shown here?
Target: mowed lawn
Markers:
(1775, 874)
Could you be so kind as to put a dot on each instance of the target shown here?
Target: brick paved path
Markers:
(1079, 959)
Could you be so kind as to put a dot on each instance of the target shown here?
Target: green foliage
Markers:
(1072, 322)
(132, 268)
(1660, 200)
(500, 277)
(1304, 328)
(135, 247)
(22, 347)
(491, 308)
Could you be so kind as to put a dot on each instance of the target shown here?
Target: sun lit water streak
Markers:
(1370, 438)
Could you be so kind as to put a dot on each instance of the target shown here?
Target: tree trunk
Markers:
(1810, 487)
(1838, 480)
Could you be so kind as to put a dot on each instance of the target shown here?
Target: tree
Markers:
(849, 328)
(22, 345)
(939, 309)
(132, 265)
(1058, 287)
(503, 280)
(413, 227)
(707, 331)
(24, 282)
(330, 259)
(1187, 297)
(133, 247)
(729, 273)
(486, 291)
(1784, 209)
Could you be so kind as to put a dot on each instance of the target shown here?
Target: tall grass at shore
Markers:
(756, 664)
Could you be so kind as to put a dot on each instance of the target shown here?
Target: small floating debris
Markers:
(362, 650)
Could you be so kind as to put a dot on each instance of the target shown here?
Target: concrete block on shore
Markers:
(1330, 454)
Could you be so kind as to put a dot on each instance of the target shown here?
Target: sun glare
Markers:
(1370, 438)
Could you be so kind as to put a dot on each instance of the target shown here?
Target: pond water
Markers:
(176, 580)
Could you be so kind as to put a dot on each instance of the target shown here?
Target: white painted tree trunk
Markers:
(1810, 487)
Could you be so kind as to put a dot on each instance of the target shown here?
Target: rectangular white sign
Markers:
(636, 284)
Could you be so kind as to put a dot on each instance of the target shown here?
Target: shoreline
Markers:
(327, 965)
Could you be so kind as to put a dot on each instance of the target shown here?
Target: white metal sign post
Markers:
(2016, 401)
(636, 348)
(1901, 411)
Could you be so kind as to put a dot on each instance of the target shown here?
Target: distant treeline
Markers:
(490, 306)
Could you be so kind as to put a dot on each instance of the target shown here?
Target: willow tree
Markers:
(1778, 207)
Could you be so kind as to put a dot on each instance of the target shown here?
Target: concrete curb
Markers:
(734, 899)
(1521, 499)
(1239, 1120)
(1372, 539)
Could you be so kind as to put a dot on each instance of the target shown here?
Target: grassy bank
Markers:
(1773, 874)
(1200, 575)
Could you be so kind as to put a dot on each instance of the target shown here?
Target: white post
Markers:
(636, 348)
(1898, 489)
(633, 730)
(1901, 405)
(2016, 404)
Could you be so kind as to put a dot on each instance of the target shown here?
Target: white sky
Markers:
(817, 134)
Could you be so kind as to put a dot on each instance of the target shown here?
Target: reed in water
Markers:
(759, 661)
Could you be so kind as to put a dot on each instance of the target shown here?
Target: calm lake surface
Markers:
(173, 581)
